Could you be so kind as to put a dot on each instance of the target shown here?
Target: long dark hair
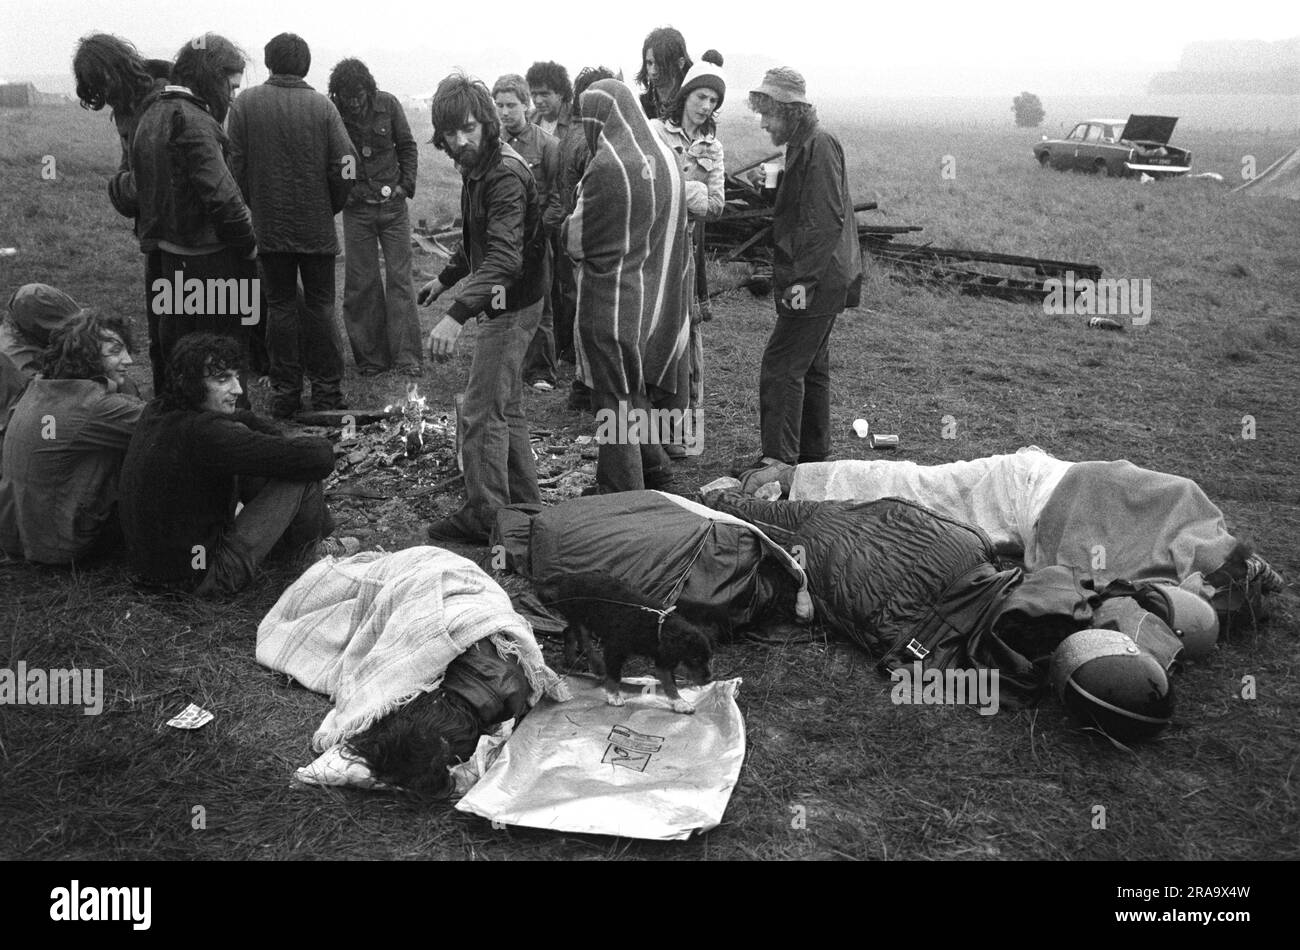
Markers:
(110, 72)
(667, 46)
(74, 349)
(460, 95)
(195, 357)
(203, 64)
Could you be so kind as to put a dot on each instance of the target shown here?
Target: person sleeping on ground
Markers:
(1109, 519)
(910, 585)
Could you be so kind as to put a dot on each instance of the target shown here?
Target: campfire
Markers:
(410, 449)
(412, 413)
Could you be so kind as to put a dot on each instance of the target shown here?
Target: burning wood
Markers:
(411, 412)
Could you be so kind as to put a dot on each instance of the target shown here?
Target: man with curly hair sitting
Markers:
(64, 444)
(210, 491)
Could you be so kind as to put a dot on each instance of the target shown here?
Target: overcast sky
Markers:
(847, 47)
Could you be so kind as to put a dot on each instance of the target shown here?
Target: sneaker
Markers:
(451, 531)
(542, 386)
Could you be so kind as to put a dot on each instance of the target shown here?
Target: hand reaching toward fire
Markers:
(430, 292)
(442, 339)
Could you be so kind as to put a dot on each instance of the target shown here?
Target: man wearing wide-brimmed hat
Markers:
(816, 272)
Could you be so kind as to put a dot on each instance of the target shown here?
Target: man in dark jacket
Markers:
(292, 158)
(110, 71)
(194, 458)
(381, 321)
(189, 209)
(503, 254)
(541, 150)
(817, 272)
(553, 100)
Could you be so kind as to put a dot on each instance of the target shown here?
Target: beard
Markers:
(467, 157)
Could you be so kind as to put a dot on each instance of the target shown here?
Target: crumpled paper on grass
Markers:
(637, 771)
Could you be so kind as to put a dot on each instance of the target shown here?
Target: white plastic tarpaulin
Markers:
(637, 771)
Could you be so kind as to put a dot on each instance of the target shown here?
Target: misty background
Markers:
(907, 62)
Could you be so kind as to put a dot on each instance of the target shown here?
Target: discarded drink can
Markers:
(879, 441)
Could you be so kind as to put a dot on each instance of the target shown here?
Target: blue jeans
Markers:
(499, 468)
(379, 315)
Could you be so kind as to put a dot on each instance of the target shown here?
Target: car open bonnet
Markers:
(1149, 128)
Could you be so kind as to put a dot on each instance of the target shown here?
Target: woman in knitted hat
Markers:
(689, 129)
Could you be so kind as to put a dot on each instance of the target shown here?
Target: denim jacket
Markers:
(388, 152)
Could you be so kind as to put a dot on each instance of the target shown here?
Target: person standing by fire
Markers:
(380, 319)
(541, 150)
(503, 259)
(189, 207)
(627, 234)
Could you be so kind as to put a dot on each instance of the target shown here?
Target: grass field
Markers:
(868, 779)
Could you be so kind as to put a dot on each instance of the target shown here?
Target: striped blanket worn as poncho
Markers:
(628, 236)
(373, 631)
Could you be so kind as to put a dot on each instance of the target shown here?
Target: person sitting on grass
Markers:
(64, 443)
(195, 457)
(35, 311)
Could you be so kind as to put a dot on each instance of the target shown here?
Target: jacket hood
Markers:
(39, 309)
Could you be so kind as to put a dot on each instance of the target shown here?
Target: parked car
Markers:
(1118, 148)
